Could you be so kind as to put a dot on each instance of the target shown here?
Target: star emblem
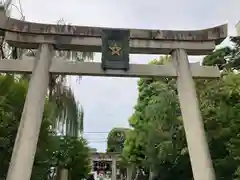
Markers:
(115, 49)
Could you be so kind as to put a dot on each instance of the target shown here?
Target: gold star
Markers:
(115, 49)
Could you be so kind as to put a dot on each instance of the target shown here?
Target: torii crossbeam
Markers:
(61, 66)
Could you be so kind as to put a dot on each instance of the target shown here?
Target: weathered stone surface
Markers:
(61, 66)
(22, 34)
(10, 24)
(94, 44)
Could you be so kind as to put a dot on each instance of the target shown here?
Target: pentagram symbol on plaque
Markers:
(116, 50)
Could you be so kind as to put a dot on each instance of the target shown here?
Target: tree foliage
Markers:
(53, 151)
(115, 140)
(157, 144)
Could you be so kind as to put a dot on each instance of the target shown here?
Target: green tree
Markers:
(115, 140)
(53, 151)
(12, 95)
(157, 142)
(156, 122)
(72, 153)
(219, 57)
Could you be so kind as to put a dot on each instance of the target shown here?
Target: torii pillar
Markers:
(129, 172)
(194, 128)
(27, 137)
(114, 168)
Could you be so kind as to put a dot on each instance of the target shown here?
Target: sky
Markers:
(108, 102)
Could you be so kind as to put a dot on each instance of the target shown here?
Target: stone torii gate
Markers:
(46, 38)
(111, 157)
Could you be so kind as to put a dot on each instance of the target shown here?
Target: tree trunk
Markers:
(62, 174)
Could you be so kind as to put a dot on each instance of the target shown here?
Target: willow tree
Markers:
(66, 112)
(69, 112)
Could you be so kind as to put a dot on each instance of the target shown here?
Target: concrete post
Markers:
(27, 137)
(114, 168)
(64, 174)
(192, 120)
(129, 172)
